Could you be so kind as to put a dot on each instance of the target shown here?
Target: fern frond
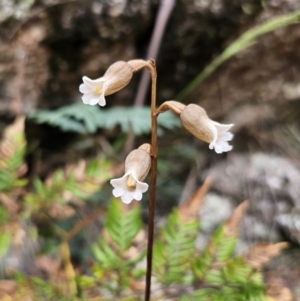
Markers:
(174, 248)
(231, 227)
(5, 241)
(236, 272)
(74, 118)
(104, 253)
(12, 151)
(279, 293)
(223, 241)
(190, 209)
(221, 247)
(85, 119)
(76, 182)
(123, 226)
(114, 265)
(260, 254)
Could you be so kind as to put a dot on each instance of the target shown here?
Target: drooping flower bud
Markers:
(117, 76)
(195, 120)
(137, 166)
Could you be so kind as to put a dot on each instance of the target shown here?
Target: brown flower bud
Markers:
(195, 120)
(137, 166)
(138, 160)
(117, 76)
(146, 147)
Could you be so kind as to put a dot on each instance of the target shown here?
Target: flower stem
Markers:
(154, 151)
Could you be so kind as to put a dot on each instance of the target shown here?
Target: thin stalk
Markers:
(154, 152)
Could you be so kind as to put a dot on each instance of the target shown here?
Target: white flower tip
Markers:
(94, 101)
(82, 88)
(93, 91)
(126, 198)
(126, 201)
(101, 101)
(221, 147)
(143, 187)
(117, 192)
(220, 143)
(228, 136)
(88, 80)
(84, 100)
(126, 193)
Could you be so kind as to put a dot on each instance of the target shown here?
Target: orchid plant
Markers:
(139, 161)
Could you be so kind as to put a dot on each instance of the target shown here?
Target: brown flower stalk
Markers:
(154, 152)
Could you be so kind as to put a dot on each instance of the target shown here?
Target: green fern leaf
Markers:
(122, 226)
(85, 119)
(6, 180)
(106, 256)
(9, 171)
(5, 241)
(174, 248)
(205, 294)
(200, 264)
(257, 278)
(39, 187)
(214, 277)
(226, 248)
(69, 125)
(4, 216)
(221, 245)
(237, 272)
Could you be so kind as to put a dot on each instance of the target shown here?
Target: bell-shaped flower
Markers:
(137, 166)
(195, 120)
(117, 76)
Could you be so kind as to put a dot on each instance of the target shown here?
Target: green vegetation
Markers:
(85, 119)
(114, 267)
(243, 42)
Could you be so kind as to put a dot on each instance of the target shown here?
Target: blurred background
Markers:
(46, 46)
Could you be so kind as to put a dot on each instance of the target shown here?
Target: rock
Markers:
(214, 212)
(270, 182)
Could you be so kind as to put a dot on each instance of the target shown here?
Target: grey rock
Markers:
(271, 183)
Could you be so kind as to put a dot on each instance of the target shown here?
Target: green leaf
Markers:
(236, 271)
(226, 248)
(200, 264)
(85, 119)
(123, 226)
(4, 216)
(5, 241)
(39, 186)
(205, 294)
(214, 277)
(105, 254)
(174, 249)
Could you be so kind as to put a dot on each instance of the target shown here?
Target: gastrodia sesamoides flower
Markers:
(137, 166)
(194, 119)
(117, 76)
